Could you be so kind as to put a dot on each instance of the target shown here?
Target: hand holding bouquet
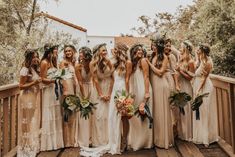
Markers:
(124, 103)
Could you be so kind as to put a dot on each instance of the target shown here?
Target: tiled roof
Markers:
(130, 41)
(62, 21)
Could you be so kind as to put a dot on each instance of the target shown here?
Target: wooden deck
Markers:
(225, 98)
(181, 149)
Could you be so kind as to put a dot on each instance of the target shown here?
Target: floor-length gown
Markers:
(114, 124)
(185, 121)
(51, 131)
(29, 118)
(140, 135)
(169, 76)
(70, 128)
(205, 130)
(84, 126)
(162, 121)
(100, 116)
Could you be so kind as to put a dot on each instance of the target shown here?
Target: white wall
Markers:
(95, 40)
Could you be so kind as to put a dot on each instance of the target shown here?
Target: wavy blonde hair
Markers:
(121, 58)
(97, 61)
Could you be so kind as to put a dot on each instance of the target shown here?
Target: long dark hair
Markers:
(133, 51)
(205, 48)
(160, 45)
(48, 49)
(28, 57)
(54, 59)
(86, 52)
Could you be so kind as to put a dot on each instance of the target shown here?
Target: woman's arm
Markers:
(160, 71)
(95, 80)
(24, 85)
(43, 73)
(191, 69)
(207, 70)
(128, 74)
(145, 68)
(79, 78)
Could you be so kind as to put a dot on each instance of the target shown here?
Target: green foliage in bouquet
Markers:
(197, 103)
(125, 103)
(86, 107)
(180, 99)
(70, 105)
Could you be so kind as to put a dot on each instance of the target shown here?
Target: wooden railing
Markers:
(225, 96)
(9, 101)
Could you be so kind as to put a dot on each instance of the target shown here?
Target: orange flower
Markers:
(129, 101)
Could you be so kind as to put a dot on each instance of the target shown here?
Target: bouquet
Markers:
(124, 103)
(197, 103)
(143, 112)
(85, 108)
(180, 99)
(70, 104)
(57, 75)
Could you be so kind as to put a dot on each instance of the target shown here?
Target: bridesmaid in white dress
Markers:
(140, 135)
(102, 76)
(51, 131)
(162, 123)
(29, 108)
(70, 128)
(185, 72)
(84, 90)
(205, 130)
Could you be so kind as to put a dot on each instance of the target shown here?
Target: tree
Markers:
(206, 21)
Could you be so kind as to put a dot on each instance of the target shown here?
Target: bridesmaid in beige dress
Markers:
(102, 76)
(171, 79)
(163, 130)
(29, 108)
(140, 135)
(205, 130)
(51, 131)
(84, 90)
(185, 72)
(70, 127)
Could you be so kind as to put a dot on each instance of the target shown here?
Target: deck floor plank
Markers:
(188, 149)
(54, 153)
(171, 152)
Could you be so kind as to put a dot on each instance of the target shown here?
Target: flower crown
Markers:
(97, 47)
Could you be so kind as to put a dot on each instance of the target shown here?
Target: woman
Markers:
(29, 108)
(140, 135)
(205, 130)
(163, 132)
(70, 127)
(122, 73)
(185, 72)
(171, 79)
(84, 91)
(102, 75)
(51, 131)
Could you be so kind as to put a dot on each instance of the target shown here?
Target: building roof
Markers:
(62, 21)
(130, 41)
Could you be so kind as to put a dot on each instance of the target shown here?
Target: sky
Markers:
(108, 17)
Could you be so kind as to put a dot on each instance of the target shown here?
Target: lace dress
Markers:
(51, 131)
(29, 118)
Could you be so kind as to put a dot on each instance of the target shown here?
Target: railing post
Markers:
(232, 102)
